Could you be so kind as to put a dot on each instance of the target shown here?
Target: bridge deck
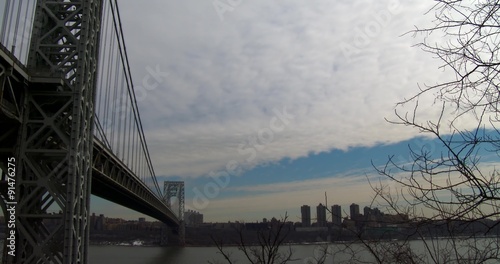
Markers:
(112, 180)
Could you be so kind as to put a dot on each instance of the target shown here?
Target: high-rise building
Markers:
(336, 215)
(93, 220)
(321, 215)
(373, 215)
(100, 223)
(367, 211)
(306, 215)
(193, 218)
(354, 208)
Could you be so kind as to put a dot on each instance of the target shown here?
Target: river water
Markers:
(303, 254)
(186, 255)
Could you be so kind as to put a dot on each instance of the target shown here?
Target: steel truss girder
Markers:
(114, 181)
(56, 139)
(13, 83)
(13, 80)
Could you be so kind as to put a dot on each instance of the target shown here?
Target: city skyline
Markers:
(322, 217)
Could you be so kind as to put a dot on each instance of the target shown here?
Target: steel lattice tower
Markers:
(176, 189)
(56, 139)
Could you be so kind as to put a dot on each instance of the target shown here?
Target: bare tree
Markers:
(267, 250)
(452, 182)
(454, 186)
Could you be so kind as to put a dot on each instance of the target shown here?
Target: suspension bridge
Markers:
(70, 127)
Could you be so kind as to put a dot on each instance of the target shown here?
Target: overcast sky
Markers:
(282, 100)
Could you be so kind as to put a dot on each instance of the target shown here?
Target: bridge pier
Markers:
(165, 235)
(172, 236)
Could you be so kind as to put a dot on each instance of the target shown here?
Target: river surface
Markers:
(303, 254)
(175, 255)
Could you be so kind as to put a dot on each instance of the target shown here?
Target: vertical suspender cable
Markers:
(139, 123)
(101, 117)
(27, 29)
(16, 27)
(8, 24)
(4, 22)
(129, 121)
(109, 65)
(119, 110)
(126, 135)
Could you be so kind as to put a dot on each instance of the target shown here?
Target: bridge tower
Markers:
(54, 146)
(171, 190)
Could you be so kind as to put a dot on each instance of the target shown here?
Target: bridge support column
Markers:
(182, 233)
(164, 235)
(173, 236)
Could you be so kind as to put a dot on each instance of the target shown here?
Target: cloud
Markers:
(227, 77)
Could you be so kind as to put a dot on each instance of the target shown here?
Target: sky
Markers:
(264, 106)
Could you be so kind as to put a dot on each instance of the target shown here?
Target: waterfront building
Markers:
(306, 215)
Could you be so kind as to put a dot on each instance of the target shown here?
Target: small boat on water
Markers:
(138, 243)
